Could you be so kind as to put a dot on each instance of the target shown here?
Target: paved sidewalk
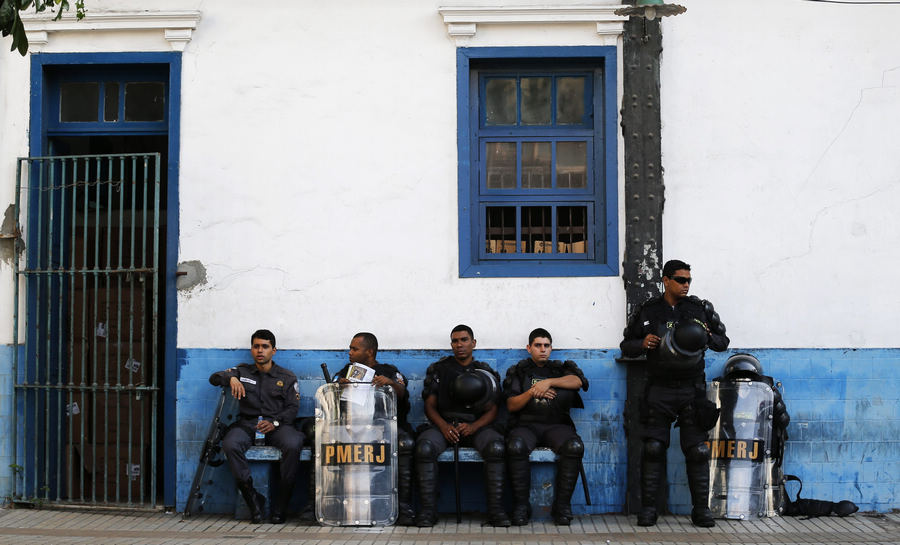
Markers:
(61, 527)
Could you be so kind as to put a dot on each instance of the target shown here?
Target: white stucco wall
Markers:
(780, 127)
(319, 187)
(318, 174)
(14, 105)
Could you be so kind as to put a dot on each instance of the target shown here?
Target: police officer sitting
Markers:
(364, 349)
(461, 397)
(673, 331)
(269, 398)
(540, 392)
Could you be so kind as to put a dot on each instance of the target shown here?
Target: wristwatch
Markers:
(276, 423)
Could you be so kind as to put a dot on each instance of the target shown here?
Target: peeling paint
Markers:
(10, 242)
(191, 274)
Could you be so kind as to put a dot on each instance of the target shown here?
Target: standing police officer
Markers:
(461, 397)
(271, 392)
(540, 392)
(673, 332)
(364, 349)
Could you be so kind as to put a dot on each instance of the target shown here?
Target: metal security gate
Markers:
(86, 377)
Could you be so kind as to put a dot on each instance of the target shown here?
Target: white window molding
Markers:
(176, 26)
(463, 21)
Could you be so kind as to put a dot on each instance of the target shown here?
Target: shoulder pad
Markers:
(481, 365)
(696, 300)
(390, 368)
(636, 311)
(572, 367)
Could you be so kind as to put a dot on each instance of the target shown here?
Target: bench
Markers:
(466, 455)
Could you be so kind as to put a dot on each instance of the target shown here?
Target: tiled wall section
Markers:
(600, 424)
(7, 418)
(844, 404)
(845, 424)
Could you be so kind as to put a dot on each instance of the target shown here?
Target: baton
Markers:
(456, 472)
(325, 372)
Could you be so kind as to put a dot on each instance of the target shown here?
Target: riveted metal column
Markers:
(644, 200)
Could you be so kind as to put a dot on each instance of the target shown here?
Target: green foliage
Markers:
(11, 22)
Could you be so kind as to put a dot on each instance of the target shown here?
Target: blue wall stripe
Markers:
(845, 413)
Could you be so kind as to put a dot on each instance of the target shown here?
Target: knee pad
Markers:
(406, 444)
(426, 451)
(654, 450)
(572, 448)
(516, 448)
(697, 453)
(494, 451)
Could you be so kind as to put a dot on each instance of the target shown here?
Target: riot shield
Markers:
(356, 455)
(741, 460)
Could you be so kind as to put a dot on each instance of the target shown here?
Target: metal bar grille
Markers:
(86, 379)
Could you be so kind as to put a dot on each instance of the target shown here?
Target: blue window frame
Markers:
(537, 161)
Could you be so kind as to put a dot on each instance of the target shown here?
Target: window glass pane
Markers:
(571, 229)
(501, 165)
(79, 101)
(535, 101)
(145, 101)
(500, 102)
(111, 101)
(570, 100)
(536, 165)
(571, 165)
(500, 229)
(537, 235)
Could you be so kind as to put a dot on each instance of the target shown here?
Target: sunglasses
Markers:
(681, 279)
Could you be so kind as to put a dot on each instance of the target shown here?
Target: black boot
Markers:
(520, 484)
(426, 474)
(566, 477)
(697, 465)
(493, 484)
(651, 475)
(256, 502)
(279, 506)
(406, 515)
(308, 513)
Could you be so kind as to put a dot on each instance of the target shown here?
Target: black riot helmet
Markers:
(474, 389)
(742, 365)
(682, 346)
(689, 337)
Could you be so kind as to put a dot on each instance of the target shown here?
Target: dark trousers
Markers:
(479, 441)
(240, 437)
(549, 435)
(664, 404)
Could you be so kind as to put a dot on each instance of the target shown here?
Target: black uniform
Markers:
(405, 440)
(543, 422)
(276, 397)
(488, 441)
(675, 391)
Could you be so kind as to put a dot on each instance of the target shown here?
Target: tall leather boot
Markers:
(406, 515)
(651, 475)
(256, 502)
(426, 473)
(308, 513)
(520, 485)
(494, 474)
(566, 477)
(697, 466)
(279, 506)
